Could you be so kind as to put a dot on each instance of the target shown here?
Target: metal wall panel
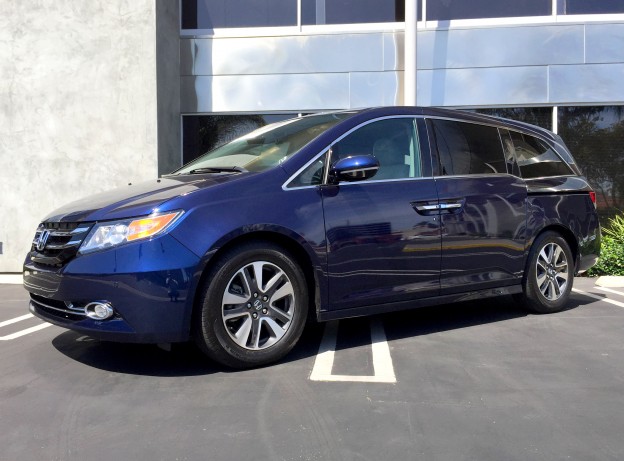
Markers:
(500, 46)
(375, 89)
(483, 86)
(587, 84)
(262, 93)
(393, 51)
(507, 65)
(604, 43)
(285, 55)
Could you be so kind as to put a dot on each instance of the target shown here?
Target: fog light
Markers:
(99, 310)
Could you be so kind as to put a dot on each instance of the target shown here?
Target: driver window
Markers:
(394, 142)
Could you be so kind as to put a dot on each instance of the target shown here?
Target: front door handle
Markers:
(453, 205)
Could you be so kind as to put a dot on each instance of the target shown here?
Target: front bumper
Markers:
(149, 285)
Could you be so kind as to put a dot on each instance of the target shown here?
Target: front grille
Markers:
(57, 242)
(56, 308)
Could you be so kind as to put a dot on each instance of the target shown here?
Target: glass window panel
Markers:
(443, 10)
(312, 175)
(590, 7)
(214, 14)
(540, 116)
(203, 133)
(266, 147)
(537, 159)
(391, 141)
(595, 137)
(352, 11)
(468, 148)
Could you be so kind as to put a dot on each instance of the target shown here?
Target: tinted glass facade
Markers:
(595, 136)
(203, 133)
(590, 7)
(351, 11)
(214, 14)
(444, 10)
(540, 116)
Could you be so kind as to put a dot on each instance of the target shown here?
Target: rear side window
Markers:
(468, 148)
(536, 158)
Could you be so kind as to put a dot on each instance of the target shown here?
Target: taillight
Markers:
(592, 196)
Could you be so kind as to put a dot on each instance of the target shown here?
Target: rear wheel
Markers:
(550, 274)
(254, 306)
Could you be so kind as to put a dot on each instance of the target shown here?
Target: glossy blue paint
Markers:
(366, 246)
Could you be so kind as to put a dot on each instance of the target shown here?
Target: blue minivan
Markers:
(320, 217)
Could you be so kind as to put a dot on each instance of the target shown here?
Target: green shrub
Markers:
(615, 229)
(611, 260)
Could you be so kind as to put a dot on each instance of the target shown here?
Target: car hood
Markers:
(136, 199)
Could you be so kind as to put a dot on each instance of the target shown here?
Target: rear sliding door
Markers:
(482, 207)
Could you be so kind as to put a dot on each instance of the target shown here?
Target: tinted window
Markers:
(393, 142)
(443, 10)
(352, 11)
(211, 14)
(587, 7)
(536, 158)
(468, 148)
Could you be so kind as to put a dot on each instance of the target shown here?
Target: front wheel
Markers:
(254, 306)
(550, 273)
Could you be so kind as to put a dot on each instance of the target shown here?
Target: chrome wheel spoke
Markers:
(273, 283)
(280, 315)
(235, 313)
(256, 325)
(282, 292)
(274, 330)
(234, 298)
(242, 334)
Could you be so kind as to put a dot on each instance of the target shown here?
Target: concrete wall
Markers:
(78, 107)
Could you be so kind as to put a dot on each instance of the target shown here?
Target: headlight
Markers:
(114, 233)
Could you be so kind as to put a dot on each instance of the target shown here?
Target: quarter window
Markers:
(536, 158)
(468, 148)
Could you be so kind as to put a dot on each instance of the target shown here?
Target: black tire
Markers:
(549, 275)
(253, 306)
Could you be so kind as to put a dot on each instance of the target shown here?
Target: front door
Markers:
(383, 234)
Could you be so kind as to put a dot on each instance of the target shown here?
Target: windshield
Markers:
(265, 147)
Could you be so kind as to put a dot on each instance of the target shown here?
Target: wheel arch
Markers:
(566, 234)
(289, 241)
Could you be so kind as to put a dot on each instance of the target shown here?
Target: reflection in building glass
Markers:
(595, 136)
(444, 10)
(587, 7)
(210, 14)
(203, 133)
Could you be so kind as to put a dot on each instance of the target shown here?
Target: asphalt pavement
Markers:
(472, 381)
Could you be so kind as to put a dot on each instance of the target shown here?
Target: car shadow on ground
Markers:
(187, 360)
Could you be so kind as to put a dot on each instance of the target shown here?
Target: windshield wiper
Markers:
(218, 169)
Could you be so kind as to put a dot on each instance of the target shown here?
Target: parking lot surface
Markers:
(473, 381)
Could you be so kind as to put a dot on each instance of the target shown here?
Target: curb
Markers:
(11, 279)
(610, 281)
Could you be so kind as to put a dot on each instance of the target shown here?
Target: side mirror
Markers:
(354, 168)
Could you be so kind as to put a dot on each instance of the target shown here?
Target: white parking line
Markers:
(601, 298)
(15, 320)
(609, 290)
(382, 361)
(22, 332)
(25, 332)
